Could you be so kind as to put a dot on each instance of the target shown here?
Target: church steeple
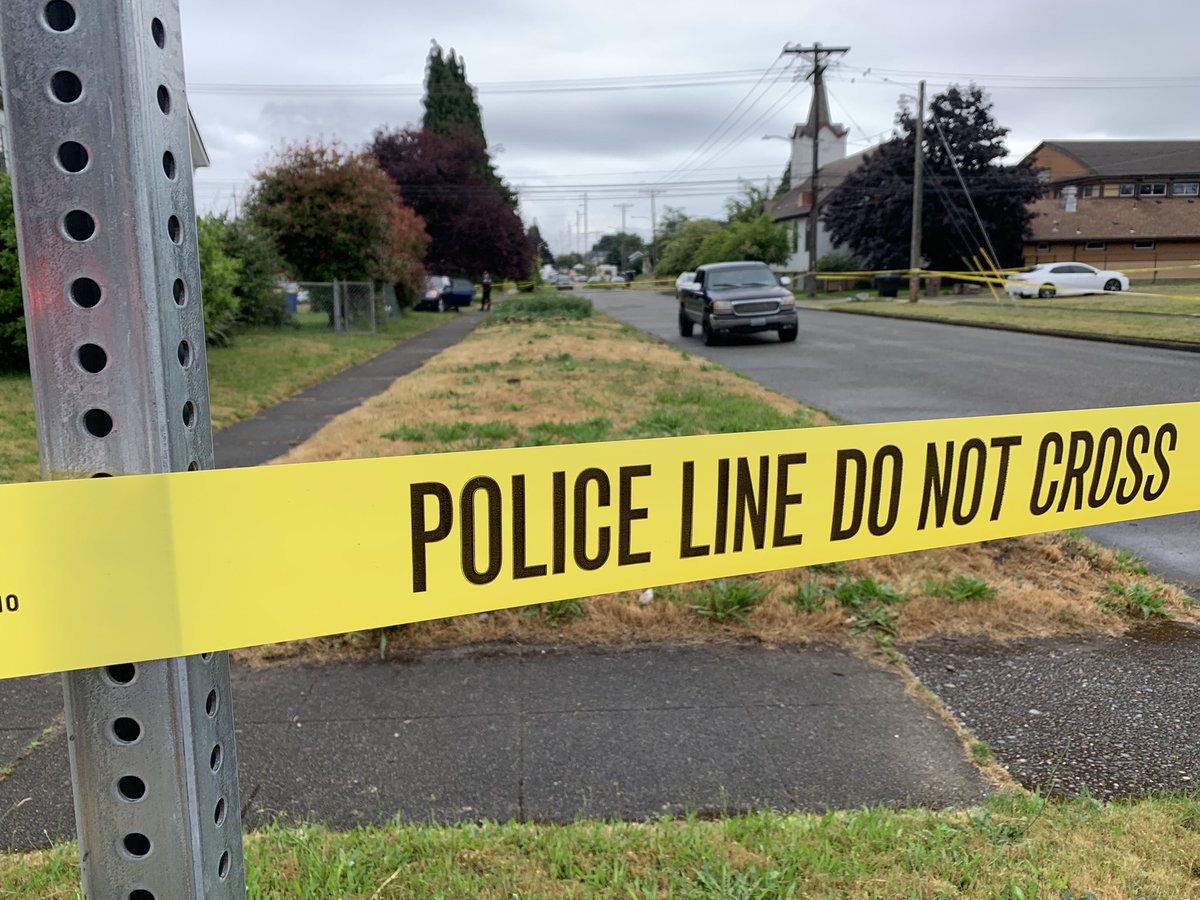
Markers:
(818, 117)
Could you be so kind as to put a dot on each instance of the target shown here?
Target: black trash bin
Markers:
(888, 285)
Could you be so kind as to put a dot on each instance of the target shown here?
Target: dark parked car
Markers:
(737, 298)
(443, 293)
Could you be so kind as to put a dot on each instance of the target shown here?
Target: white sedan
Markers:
(1051, 279)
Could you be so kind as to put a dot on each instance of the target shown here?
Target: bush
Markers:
(219, 274)
(259, 300)
(14, 350)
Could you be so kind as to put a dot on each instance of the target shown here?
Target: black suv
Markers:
(737, 298)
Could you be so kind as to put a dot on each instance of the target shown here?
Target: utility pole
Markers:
(914, 253)
(817, 76)
(623, 207)
(653, 228)
(586, 248)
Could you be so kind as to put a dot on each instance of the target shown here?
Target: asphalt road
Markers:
(868, 369)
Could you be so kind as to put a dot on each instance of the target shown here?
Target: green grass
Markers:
(1011, 846)
(959, 589)
(1167, 315)
(726, 598)
(260, 368)
(1134, 600)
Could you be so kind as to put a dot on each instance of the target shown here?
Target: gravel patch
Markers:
(1113, 717)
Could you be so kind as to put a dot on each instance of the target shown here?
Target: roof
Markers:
(200, 158)
(1131, 158)
(1112, 219)
(818, 117)
(791, 204)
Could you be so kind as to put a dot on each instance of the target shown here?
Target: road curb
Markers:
(1049, 332)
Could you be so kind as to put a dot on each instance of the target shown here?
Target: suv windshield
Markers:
(743, 277)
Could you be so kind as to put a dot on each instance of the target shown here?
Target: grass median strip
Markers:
(530, 377)
(1168, 311)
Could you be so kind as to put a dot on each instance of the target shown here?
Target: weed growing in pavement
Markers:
(1133, 599)
(810, 597)
(727, 598)
(959, 589)
(981, 752)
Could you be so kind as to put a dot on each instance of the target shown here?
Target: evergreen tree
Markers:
(534, 236)
(452, 112)
(450, 103)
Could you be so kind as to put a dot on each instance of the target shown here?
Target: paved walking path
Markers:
(551, 734)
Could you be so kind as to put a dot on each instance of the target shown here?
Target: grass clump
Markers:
(959, 589)
(1133, 599)
(727, 598)
(810, 597)
(540, 306)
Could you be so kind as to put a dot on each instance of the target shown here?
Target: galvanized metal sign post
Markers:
(99, 151)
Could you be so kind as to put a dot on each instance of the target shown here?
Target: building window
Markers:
(1143, 245)
(1043, 247)
(1094, 245)
(1127, 190)
(1186, 189)
(1085, 191)
(1153, 189)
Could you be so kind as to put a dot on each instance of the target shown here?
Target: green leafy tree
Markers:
(748, 206)
(680, 248)
(567, 260)
(471, 226)
(14, 350)
(614, 249)
(219, 274)
(333, 214)
(871, 212)
(757, 239)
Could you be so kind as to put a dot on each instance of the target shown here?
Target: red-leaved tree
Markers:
(334, 214)
(472, 225)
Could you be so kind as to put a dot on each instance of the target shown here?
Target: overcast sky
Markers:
(666, 96)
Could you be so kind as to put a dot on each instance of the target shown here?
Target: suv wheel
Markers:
(686, 325)
(710, 336)
(787, 335)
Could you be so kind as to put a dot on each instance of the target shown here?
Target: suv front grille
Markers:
(755, 307)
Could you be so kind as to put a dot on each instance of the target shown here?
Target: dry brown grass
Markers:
(512, 380)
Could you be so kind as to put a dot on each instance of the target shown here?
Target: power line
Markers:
(557, 86)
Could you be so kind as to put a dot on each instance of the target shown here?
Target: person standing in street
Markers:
(485, 302)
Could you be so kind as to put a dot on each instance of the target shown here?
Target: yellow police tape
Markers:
(103, 571)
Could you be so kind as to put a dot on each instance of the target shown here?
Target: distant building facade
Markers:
(1128, 205)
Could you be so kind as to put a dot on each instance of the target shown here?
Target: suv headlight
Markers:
(722, 306)
(787, 303)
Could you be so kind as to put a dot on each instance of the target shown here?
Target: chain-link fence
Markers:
(350, 305)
